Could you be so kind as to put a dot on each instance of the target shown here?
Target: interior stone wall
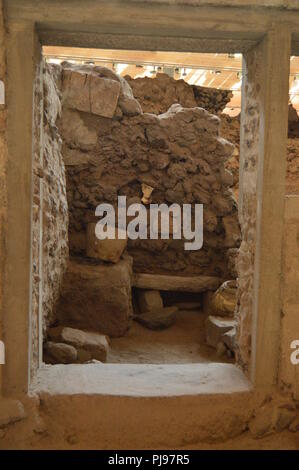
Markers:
(248, 205)
(156, 95)
(3, 167)
(114, 148)
(49, 208)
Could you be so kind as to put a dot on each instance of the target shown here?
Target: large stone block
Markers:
(97, 297)
(90, 93)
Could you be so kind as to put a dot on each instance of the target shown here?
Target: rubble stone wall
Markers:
(49, 210)
(248, 207)
(156, 95)
(111, 148)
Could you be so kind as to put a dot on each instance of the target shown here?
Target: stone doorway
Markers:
(107, 300)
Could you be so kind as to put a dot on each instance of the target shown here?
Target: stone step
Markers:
(176, 283)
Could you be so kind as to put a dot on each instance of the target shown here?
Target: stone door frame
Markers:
(263, 35)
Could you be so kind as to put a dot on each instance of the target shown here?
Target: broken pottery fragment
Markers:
(147, 192)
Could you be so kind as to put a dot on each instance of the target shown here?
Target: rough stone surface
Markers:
(223, 302)
(3, 169)
(158, 319)
(59, 353)
(179, 154)
(156, 95)
(49, 205)
(97, 297)
(106, 250)
(288, 372)
(216, 327)
(89, 345)
(84, 90)
(149, 300)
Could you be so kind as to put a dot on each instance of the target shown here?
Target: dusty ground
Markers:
(180, 344)
(281, 441)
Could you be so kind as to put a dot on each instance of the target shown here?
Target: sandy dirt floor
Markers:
(182, 343)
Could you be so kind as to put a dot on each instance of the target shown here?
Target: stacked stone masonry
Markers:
(49, 207)
(112, 148)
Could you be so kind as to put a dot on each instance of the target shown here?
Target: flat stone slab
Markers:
(158, 319)
(176, 283)
(141, 380)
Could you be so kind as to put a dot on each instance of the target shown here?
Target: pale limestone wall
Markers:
(3, 165)
(55, 208)
(289, 373)
(49, 210)
(247, 206)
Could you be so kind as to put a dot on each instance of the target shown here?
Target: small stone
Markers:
(158, 319)
(59, 353)
(216, 327)
(149, 300)
(95, 344)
